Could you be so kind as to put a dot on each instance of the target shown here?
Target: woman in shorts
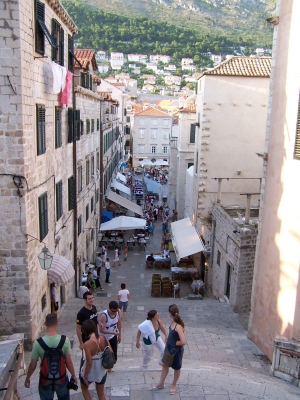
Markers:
(91, 369)
(123, 297)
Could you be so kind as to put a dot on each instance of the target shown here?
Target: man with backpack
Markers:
(54, 351)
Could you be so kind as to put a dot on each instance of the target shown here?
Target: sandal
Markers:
(173, 391)
(154, 388)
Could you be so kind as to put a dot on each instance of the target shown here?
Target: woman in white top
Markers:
(116, 258)
(123, 297)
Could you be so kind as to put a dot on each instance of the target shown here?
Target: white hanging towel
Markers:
(59, 77)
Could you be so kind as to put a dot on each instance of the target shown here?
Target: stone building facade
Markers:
(42, 145)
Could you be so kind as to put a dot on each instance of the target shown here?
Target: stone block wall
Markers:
(26, 80)
(236, 245)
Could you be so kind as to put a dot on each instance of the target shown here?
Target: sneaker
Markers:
(101, 288)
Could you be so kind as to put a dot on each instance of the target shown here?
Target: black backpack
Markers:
(53, 366)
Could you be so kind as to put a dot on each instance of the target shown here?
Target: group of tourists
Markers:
(99, 334)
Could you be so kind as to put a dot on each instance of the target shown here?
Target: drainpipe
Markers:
(75, 184)
(219, 190)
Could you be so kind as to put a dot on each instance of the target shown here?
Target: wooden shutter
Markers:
(79, 227)
(125, 112)
(70, 53)
(71, 193)
(39, 34)
(297, 141)
(91, 82)
(93, 125)
(192, 133)
(77, 124)
(43, 215)
(55, 39)
(98, 124)
(40, 16)
(70, 125)
(59, 200)
(87, 214)
(58, 127)
(62, 47)
(41, 129)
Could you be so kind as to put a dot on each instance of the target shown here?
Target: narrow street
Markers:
(219, 363)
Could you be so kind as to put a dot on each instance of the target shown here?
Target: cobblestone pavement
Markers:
(220, 362)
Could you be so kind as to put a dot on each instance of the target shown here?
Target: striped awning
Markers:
(61, 271)
(116, 198)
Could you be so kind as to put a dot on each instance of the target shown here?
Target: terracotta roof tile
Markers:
(153, 112)
(189, 109)
(243, 66)
(96, 79)
(85, 56)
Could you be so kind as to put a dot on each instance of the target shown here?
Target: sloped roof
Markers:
(243, 66)
(189, 109)
(96, 79)
(85, 56)
(153, 112)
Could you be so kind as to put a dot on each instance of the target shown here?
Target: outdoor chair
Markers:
(155, 290)
(167, 264)
(176, 276)
(156, 276)
(149, 264)
(167, 289)
(159, 264)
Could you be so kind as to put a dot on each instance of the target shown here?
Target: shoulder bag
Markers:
(108, 357)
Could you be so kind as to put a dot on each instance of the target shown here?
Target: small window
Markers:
(154, 122)
(141, 149)
(87, 172)
(41, 129)
(59, 200)
(58, 127)
(88, 126)
(142, 133)
(58, 38)
(153, 149)
(79, 225)
(166, 122)
(93, 125)
(41, 29)
(43, 215)
(87, 212)
(79, 178)
(92, 204)
(97, 161)
(127, 119)
(219, 258)
(153, 133)
(70, 125)
(92, 165)
(98, 124)
(192, 133)
(142, 121)
(165, 149)
(166, 134)
(43, 302)
(71, 193)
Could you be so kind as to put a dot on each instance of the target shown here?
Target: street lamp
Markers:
(45, 258)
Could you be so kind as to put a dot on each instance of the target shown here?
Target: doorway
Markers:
(228, 281)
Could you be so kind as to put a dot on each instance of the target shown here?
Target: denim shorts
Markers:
(123, 305)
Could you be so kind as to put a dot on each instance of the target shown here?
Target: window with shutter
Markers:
(79, 177)
(97, 196)
(98, 124)
(91, 82)
(87, 172)
(70, 125)
(59, 200)
(93, 125)
(41, 29)
(125, 112)
(88, 126)
(41, 129)
(77, 124)
(43, 215)
(87, 213)
(79, 225)
(71, 56)
(192, 133)
(297, 141)
(81, 127)
(58, 38)
(97, 161)
(58, 127)
(92, 165)
(71, 193)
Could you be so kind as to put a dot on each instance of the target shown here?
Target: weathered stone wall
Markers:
(26, 80)
(236, 244)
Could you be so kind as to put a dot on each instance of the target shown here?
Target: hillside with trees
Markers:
(112, 32)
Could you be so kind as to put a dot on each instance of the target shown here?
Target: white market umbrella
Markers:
(161, 162)
(123, 223)
(145, 162)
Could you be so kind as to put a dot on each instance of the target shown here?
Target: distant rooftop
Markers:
(85, 56)
(243, 66)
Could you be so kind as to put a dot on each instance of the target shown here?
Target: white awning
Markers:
(61, 271)
(121, 187)
(185, 239)
(116, 198)
(124, 223)
(121, 177)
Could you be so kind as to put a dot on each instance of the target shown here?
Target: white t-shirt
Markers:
(107, 264)
(54, 294)
(123, 295)
(81, 291)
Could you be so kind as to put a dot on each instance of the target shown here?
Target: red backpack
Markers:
(53, 366)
